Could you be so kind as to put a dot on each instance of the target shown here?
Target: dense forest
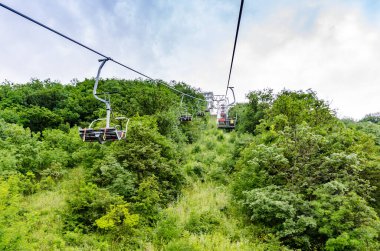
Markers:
(292, 176)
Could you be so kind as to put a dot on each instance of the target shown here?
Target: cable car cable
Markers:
(90, 49)
(236, 37)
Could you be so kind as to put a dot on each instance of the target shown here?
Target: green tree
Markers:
(372, 117)
(301, 148)
(345, 218)
(39, 118)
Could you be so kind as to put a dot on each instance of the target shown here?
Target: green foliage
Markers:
(46, 104)
(299, 107)
(10, 115)
(111, 174)
(220, 137)
(168, 125)
(49, 95)
(118, 216)
(299, 177)
(151, 157)
(305, 176)
(87, 204)
(192, 130)
(38, 118)
(168, 228)
(148, 199)
(259, 166)
(367, 127)
(196, 149)
(10, 197)
(250, 114)
(366, 130)
(372, 117)
(201, 223)
(13, 214)
(345, 218)
(285, 212)
(181, 245)
(109, 195)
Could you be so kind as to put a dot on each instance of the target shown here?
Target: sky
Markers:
(329, 46)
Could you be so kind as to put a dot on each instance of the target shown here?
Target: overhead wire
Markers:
(233, 52)
(95, 51)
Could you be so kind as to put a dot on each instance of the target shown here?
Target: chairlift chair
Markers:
(199, 113)
(225, 122)
(108, 133)
(185, 116)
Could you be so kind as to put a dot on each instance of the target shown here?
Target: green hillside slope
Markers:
(291, 177)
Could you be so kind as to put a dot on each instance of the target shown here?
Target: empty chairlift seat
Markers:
(109, 132)
(89, 134)
(200, 114)
(101, 135)
(185, 118)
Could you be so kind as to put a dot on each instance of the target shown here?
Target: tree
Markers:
(39, 118)
(345, 218)
(372, 117)
(285, 179)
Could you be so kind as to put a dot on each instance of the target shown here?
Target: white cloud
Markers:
(337, 56)
(329, 46)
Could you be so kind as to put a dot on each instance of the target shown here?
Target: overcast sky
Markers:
(330, 46)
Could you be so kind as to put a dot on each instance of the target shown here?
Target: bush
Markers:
(201, 223)
(86, 204)
(181, 245)
(167, 229)
(148, 154)
(345, 218)
(285, 212)
(110, 174)
(118, 216)
(220, 137)
(196, 149)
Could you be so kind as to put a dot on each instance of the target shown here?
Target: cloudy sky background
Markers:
(330, 46)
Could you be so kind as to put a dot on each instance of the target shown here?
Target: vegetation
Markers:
(292, 175)
(307, 177)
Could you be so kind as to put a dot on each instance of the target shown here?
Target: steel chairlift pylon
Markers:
(108, 133)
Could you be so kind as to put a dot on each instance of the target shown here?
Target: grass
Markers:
(37, 223)
(203, 218)
(44, 220)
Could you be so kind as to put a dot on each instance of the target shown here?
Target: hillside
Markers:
(291, 176)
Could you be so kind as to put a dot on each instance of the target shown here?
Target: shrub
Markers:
(167, 229)
(118, 216)
(285, 212)
(220, 137)
(345, 218)
(86, 204)
(201, 223)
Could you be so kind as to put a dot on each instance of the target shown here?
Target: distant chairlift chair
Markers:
(225, 122)
(200, 113)
(184, 117)
(109, 133)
